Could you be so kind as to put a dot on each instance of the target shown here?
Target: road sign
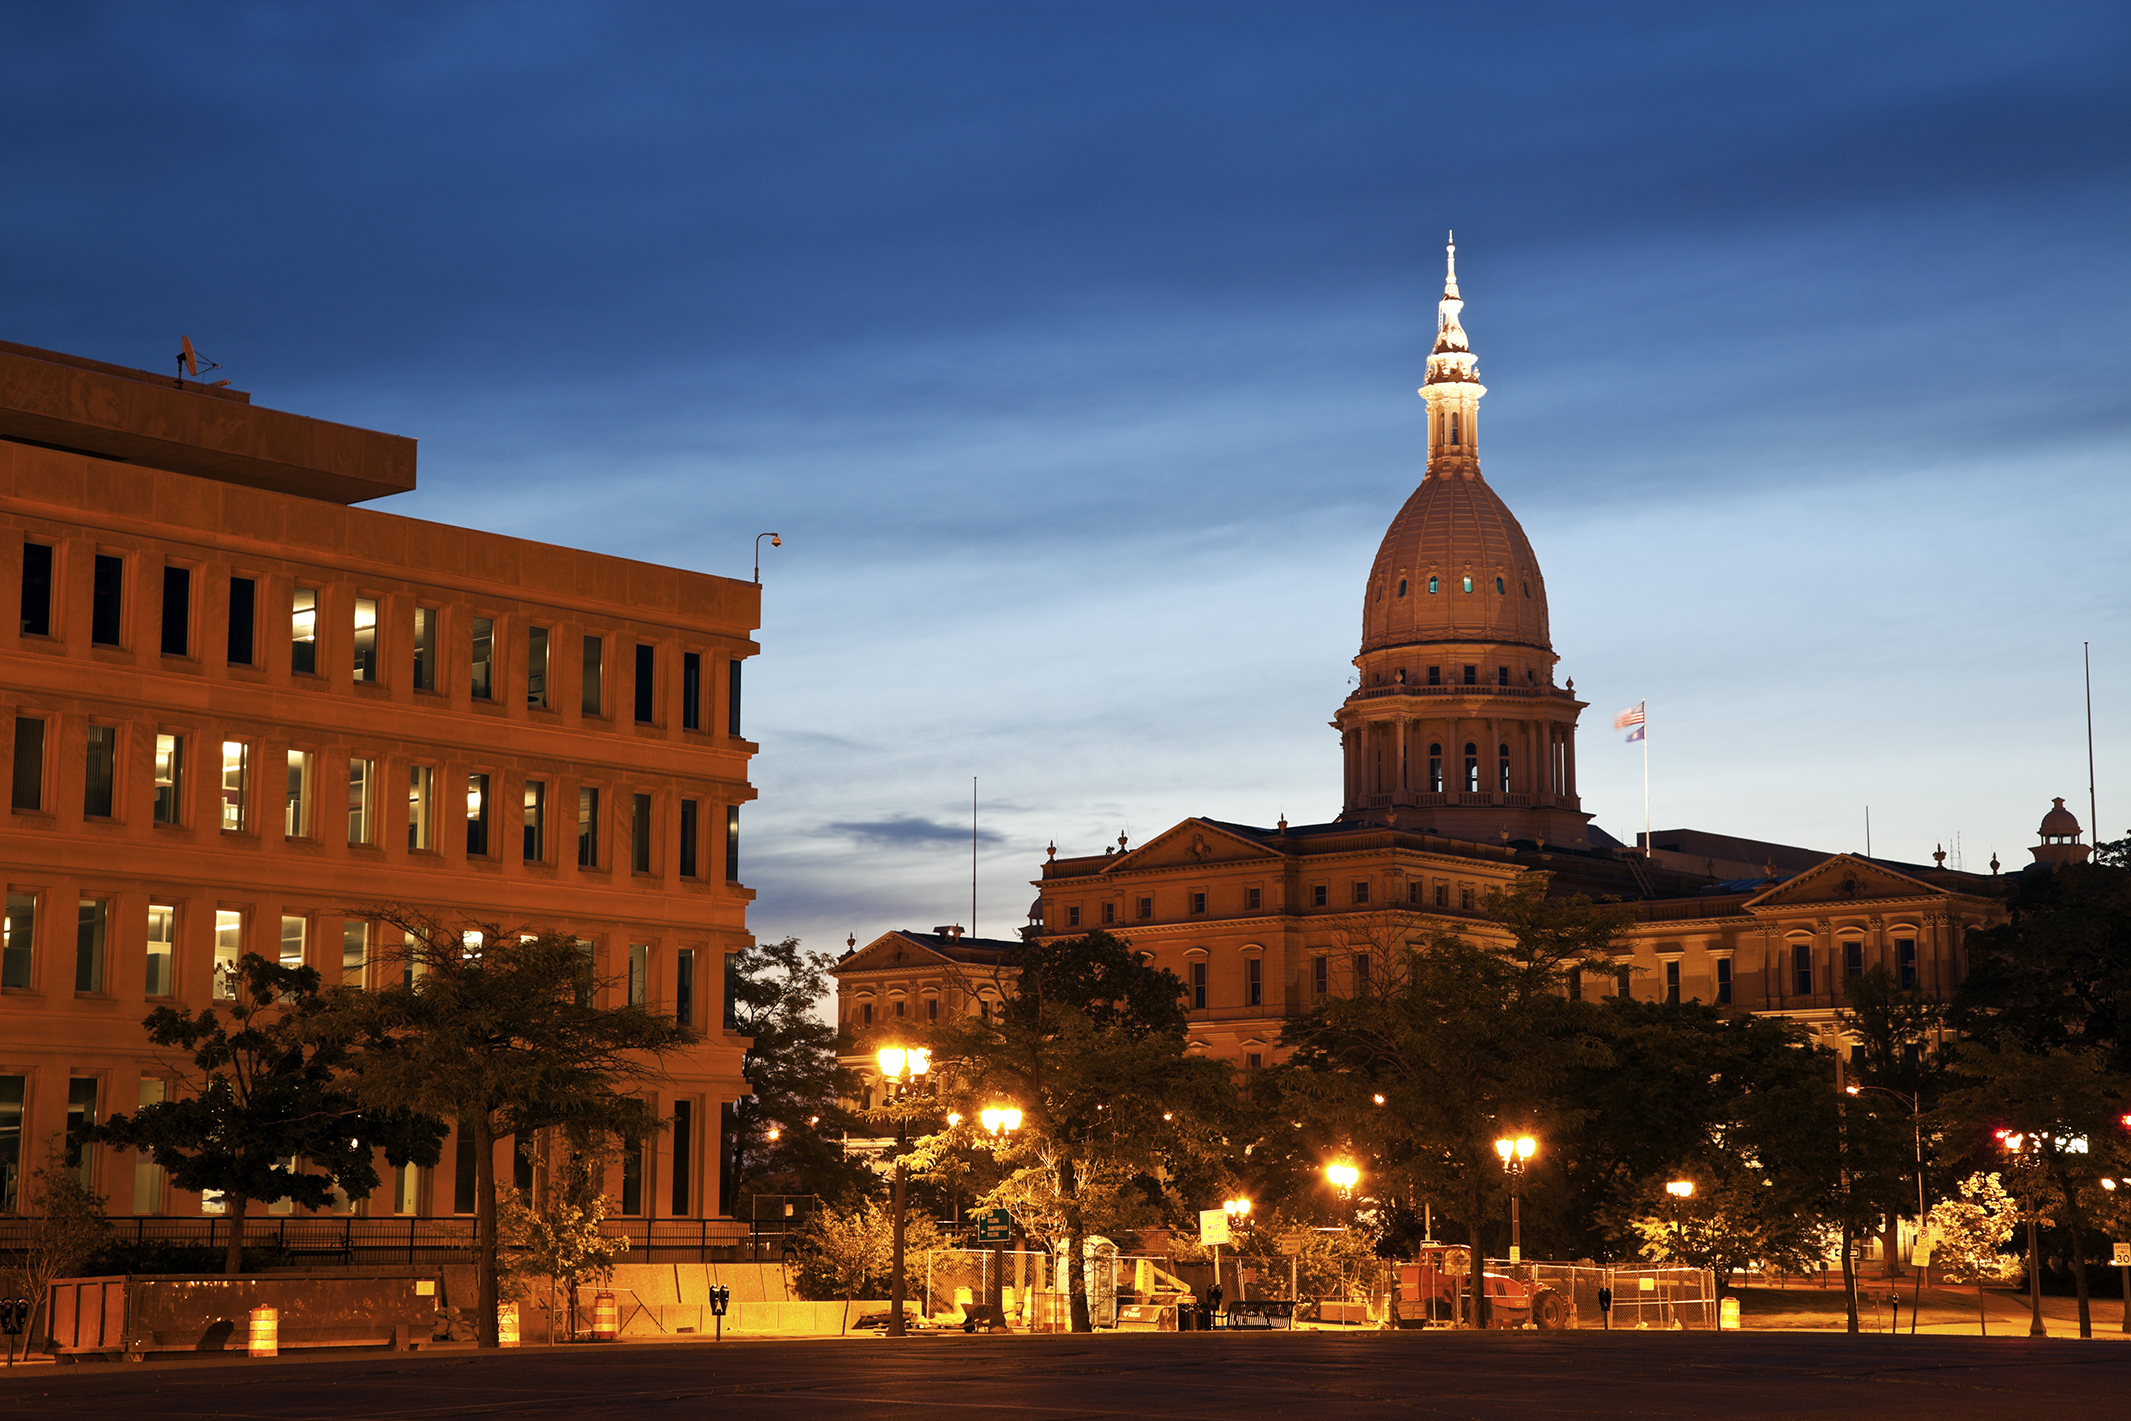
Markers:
(995, 1226)
(1213, 1226)
(2123, 1256)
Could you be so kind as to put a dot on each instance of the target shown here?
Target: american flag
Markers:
(1631, 720)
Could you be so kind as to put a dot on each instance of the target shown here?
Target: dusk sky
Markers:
(1072, 350)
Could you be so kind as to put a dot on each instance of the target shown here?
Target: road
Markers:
(1220, 1377)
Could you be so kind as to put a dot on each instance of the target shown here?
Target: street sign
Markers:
(2123, 1256)
(995, 1226)
(1213, 1226)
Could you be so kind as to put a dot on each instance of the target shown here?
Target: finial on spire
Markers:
(1450, 265)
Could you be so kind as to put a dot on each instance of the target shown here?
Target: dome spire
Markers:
(1450, 263)
(1453, 387)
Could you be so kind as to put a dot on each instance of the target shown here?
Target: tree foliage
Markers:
(268, 1114)
(785, 1139)
(846, 1252)
(64, 1229)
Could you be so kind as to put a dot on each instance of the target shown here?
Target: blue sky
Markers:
(1072, 348)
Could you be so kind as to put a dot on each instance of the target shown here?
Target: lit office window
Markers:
(421, 806)
(235, 757)
(296, 802)
(292, 936)
(18, 940)
(588, 828)
(147, 1178)
(481, 664)
(536, 666)
(477, 816)
(536, 821)
(354, 951)
(11, 1094)
(303, 631)
(92, 924)
(229, 946)
(366, 639)
(162, 946)
(169, 777)
(639, 972)
(425, 648)
(362, 779)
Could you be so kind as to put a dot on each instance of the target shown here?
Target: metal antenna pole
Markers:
(972, 855)
(2086, 655)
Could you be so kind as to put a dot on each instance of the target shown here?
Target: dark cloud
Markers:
(907, 832)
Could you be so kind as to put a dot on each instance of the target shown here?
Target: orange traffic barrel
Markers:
(605, 1317)
(507, 1325)
(266, 1331)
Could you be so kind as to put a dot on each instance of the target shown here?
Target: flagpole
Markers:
(1647, 845)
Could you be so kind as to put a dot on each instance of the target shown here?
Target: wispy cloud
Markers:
(906, 831)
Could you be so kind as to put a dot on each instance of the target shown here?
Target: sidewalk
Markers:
(1946, 1311)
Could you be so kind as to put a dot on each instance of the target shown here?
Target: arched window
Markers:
(1435, 769)
(1453, 427)
(1431, 587)
(1379, 591)
(1505, 769)
(1468, 584)
(1472, 767)
(1402, 587)
(1499, 588)
(1527, 589)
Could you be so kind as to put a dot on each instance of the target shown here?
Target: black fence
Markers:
(348, 1241)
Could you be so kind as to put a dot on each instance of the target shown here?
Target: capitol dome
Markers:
(1454, 566)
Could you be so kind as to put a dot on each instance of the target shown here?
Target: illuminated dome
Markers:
(1454, 566)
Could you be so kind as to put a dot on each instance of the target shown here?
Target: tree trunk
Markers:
(1849, 1276)
(1076, 1248)
(485, 1249)
(1477, 1277)
(233, 1256)
(2075, 1224)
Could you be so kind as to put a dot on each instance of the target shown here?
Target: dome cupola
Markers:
(2059, 838)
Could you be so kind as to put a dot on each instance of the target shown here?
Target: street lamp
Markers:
(1000, 1122)
(1515, 1152)
(775, 542)
(901, 1069)
(1916, 1125)
(2021, 1143)
(1344, 1176)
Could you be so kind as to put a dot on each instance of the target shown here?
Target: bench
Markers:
(1259, 1312)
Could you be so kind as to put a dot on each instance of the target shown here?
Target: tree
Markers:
(66, 1228)
(2057, 973)
(269, 1116)
(501, 1032)
(846, 1251)
(555, 1233)
(784, 1139)
(1736, 1218)
(1090, 1044)
(1972, 1231)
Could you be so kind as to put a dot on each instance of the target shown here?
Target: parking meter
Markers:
(1605, 1306)
(14, 1312)
(720, 1298)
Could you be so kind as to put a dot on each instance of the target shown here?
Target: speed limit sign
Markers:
(2123, 1256)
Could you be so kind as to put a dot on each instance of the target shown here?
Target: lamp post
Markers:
(1515, 1152)
(1000, 1122)
(901, 1071)
(775, 542)
(2020, 1144)
(1238, 1211)
(2111, 1185)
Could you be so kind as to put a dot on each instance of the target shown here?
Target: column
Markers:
(1568, 752)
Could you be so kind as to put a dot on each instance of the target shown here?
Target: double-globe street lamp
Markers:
(1516, 1152)
(1000, 1122)
(902, 1070)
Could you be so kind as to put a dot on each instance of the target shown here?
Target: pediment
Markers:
(1843, 879)
(888, 951)
(1195, 842)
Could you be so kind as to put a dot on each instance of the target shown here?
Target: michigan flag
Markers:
(1631, 720)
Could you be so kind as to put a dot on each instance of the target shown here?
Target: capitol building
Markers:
(1459, 760)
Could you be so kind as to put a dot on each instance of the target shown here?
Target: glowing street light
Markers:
(901, 1069)
(1515, 1151)
(1681, 1189)
(1344, 1176)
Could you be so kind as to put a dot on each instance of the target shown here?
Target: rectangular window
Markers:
(18, 940)
(147, 1179)
(732, 843)
(1253, 981)
(1361, 890)
(683, 1146)
(1361, 974)
(92, 920)
(1198, 986)
(292, 936)
(595, 677)
(177, 611)
(354, 951)
(1145, 909)
(688, 838)
(1472, 675)
(362, 777)
(366, 639)
(107, 601)
(162, 948)
(296, 800)
(646, 677)
(588, 828)
(477, 816)
(425, 648)
(243, 613)
(81, 1114)
(1320, 895)
(481, 663)
(169, 777)
(1623, 987)
(1672, 983)
(407, 1189)
(229, 946)
(691, 690)
(11, 1142)
(729, 1010)
(1198, 902)
(1413, 892)
(632, 1177)
(1073, 916)
(303, 631)
(536, 666)
(536, 821)
(36, 591)
(102, 765)
(639, 973)
(1575, 984)
(1442, 894)
(1724, 981)
(1905, 963)
(1853, 957)
(1109, 914)
(684, 987)
(732, 697)
(29, 763)
(421, 806)
(1465, 897)
(1253, 899)
(1253, 1061)
(640, 833)
(1802, 968)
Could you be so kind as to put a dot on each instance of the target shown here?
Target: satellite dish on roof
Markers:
(189, 362)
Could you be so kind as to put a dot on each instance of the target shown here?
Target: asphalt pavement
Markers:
(1175, 1377)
